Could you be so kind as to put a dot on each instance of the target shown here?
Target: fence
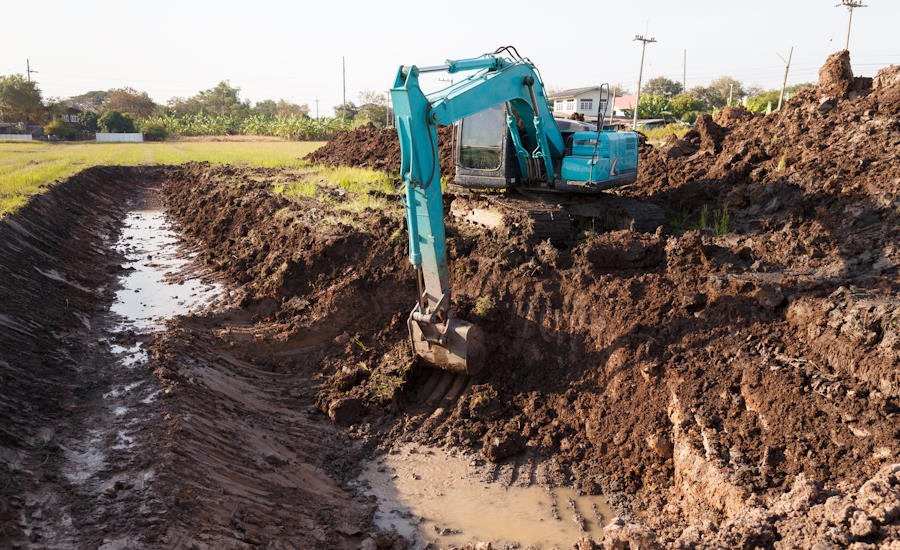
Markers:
(127, 138)
(15, 137)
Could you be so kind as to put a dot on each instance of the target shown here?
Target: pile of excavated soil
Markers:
(717, 391)
(378, 148)
(728, 387)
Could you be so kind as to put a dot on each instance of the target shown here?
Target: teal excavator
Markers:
(507, 138)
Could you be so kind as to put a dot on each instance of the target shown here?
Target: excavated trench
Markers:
(191, 360)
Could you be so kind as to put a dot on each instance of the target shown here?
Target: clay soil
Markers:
(731, 380)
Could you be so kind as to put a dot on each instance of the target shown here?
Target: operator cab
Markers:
(485, 155)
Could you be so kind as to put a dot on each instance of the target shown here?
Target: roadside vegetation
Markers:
(665, 98)
(27, 167)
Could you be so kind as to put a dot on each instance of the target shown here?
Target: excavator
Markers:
(506, 139)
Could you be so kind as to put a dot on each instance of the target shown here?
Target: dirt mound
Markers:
(836, 75)
(730, 115)
(377, 148)
(819, 143)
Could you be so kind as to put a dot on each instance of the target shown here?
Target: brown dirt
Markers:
(372, 147)
(737, 389)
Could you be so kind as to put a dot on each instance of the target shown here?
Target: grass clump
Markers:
(782, 163)
(484, 305)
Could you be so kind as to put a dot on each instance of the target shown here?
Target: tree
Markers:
(89, 120)
(270, 108)
(266, 107)
(346, 111)
(60, 129)
(715, 96)
(116, 122)
(286, 108)
(725, 86)
(131, 101)
(663, 86)
(223, 99)
(20, 99)
(373, 107)
(685, 105)
(653, 106)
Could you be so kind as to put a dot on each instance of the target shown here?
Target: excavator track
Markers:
(553, 216)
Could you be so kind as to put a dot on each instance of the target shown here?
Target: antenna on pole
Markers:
(850, 5)
(637, 100)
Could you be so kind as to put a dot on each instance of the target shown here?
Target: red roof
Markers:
(624, 102)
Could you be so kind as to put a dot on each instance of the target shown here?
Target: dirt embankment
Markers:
(378, 148)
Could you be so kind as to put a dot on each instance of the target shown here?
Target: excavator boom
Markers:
(436, 334)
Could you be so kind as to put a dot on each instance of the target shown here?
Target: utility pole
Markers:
(730, 93)
(850, 4)
(317, 110)
(28, 69)
(343, 88)
(684, 72)
(637, 100)
(787, 66)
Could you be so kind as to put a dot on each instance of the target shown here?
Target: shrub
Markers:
(61, 129)
(690, 117)
(154, 131)
(116, 122)
(88, 119)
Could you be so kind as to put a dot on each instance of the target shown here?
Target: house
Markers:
(622, 103)
(583, 101)
(71, 114)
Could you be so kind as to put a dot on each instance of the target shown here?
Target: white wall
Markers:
(594, 96)
(128, 138)
(15, 137)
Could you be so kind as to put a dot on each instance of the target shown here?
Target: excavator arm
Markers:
(435, 333)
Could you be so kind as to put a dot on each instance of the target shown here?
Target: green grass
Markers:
(25, 168)
(347, 190)
(658, 135)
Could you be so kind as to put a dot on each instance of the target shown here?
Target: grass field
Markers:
(26, 167)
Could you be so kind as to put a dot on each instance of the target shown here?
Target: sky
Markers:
(293, 50)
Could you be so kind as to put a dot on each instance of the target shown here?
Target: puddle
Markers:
(429, 496)
(149, 292)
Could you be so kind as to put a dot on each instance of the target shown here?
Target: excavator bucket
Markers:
(462, 350)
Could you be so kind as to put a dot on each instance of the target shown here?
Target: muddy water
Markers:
(430, 496)
(151, 290)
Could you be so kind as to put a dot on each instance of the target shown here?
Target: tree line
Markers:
(665, 98)
(218, 110)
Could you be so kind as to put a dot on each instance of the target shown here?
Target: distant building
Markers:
(72, 114)
(622, 103)
(583, 101)
(586, 101)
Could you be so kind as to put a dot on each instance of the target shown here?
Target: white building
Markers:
(586, 102)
